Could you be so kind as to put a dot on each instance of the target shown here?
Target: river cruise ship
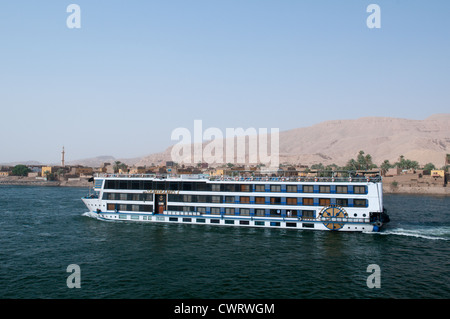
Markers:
(337, 202)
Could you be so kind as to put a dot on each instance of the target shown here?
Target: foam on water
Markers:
(433, 233)
(91, 215)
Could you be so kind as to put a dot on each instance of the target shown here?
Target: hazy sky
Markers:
(137, 70)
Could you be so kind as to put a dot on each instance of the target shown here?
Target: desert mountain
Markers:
(337, 141)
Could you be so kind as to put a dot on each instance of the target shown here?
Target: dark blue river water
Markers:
(44, 229)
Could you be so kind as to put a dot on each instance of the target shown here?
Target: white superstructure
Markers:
(350, 203)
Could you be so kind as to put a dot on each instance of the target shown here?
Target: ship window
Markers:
(187, 198)
(135, 208)
(359, 189)
(260, 188)
(291, 224)
(342, 202)
(260, 212)
(324, 189)
(291, 188)
(324, 201)
(135, 185)
(216, 199)
(360, 203)
(245, 188)
(148, 197)
(274, 223)
(308, 201)
(187, 186)
(291, 201)
(215, 210)
(200, 220)
(146, 208)
(244, 211)
(275, 200)
(229, 188)
(173, 219)
(123, 185)
(111, 207)
(201, 198)
(341, 189)
(308, 214)
(229, 211)
(201, 210)
(275, 188)
(245, 200)
(244, 222)
(230, 222)
(308, 189)
(215, 187)
(187, 220)
(148, 185)
(260, 200)
(229, 199)
(215, 221)
(172, 186)
(202, 187)
(259, 223)
(308, 225)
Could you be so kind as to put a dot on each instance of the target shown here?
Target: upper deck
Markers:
(323, 176)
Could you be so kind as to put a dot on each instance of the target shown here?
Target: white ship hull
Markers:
(248, 208)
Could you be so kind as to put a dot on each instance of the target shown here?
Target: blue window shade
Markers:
(98, 183)
(316, 188)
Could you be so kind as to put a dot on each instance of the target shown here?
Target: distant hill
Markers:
(337, 141)
(384, 138)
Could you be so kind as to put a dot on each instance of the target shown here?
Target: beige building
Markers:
(46, 170)
(437, 173)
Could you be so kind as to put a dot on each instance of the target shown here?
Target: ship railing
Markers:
(243, 178)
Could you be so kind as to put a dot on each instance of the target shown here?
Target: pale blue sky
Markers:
(137, 70)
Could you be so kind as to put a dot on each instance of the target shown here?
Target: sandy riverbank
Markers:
(31, 181)
(388, 188)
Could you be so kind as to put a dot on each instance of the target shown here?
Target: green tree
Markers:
(385, 166)
(116, 166)
(404, 163)
(318, 166)
(429, 167)
(20, 170)
(362, 162)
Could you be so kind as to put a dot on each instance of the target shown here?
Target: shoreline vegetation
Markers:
(403, 177)
(389, 187)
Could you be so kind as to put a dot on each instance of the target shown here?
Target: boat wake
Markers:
(433, 233)
(91, 215)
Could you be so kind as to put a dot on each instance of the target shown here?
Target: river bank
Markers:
(31, 181)
(388, 188)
